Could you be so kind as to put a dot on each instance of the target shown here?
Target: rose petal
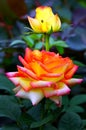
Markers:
(44, 66)
(49, 92)
(42, 10)
(73, 81)
(36, 55)
(57, 100)
(27, 72)
(38, 70)
(52, 77)
(15, 80)
(24, 62)
(35, 96)
(28, 56)
(35, 24)
(25, 84)
(61, 90)
(56, 23)
(45, 28)
(59, 69)
(11, 74)
(71, 72)
(40, 84)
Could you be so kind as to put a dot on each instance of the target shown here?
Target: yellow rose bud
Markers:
(45, 21)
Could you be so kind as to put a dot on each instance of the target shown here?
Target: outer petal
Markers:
(35, 96)
(43, 12)
(24, 62)
(70, 73)
(73, 81)
(35, 24)
(41, 84)
(27, 56)
(51, 75)
(61, 90)
(56, 24)
(57, 100)
(25, 83)
(26, 72)
(15, 80)
(11, 74)
(59, 69)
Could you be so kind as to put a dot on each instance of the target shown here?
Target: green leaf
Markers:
(9, 107)
(51, 42)
(84, 122)
(58, 43)
(79, 63)
(25, 120)
(10, 127)
(61, 43)
(78, 99)
(36, 36)
(65, 102)
(70, 121)
(38, 45)
(16, 42)
(28, 40)
(41, 122)
(6, 84)
(75, 109)
(35, 112)
(60, 50)
(49, 127)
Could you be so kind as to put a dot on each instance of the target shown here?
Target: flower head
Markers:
(45, 74)
(45, 21)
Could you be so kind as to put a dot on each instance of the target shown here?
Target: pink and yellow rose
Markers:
(45, 21)
(43, 74)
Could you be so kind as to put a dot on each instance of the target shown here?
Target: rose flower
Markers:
(45, 21)
(45, 74)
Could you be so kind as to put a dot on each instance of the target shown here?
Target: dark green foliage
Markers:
(70, 121)
(6, 84)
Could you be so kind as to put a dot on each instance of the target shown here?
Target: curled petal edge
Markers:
(57, 92)
(35, 96)
(73, 81)
(35, 24)
(41, 84)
